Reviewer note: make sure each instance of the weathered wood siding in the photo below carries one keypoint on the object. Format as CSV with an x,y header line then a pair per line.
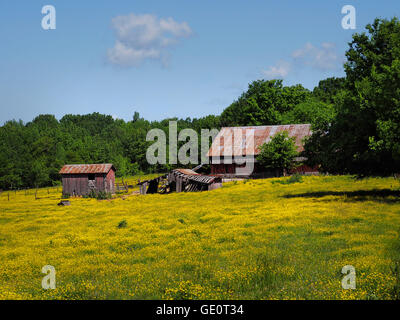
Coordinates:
x,y
110,179
78,184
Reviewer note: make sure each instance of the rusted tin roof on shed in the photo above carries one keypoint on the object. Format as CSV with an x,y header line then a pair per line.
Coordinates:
x,y
187,171
224,144
194,176
86,168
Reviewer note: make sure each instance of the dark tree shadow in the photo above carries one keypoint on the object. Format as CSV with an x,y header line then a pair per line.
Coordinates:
x,y
380,195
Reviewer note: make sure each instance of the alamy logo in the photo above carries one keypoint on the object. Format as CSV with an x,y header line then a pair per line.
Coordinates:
x,y
49,281
349,280
49,20
349,20
229,147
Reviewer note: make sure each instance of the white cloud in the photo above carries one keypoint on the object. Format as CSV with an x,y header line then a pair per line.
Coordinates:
x,y
280,70
142,37
323,58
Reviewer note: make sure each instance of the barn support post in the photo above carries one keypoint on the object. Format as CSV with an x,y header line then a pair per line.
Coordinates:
x,y
178,184
144,188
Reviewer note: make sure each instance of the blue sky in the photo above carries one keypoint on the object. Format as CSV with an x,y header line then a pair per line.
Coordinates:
x,y
166,58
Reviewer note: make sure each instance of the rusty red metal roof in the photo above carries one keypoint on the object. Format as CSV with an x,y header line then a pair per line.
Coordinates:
x,y
86,168
187,172
224,143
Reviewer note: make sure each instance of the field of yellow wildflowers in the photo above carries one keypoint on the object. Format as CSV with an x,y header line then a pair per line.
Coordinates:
x,y
255,239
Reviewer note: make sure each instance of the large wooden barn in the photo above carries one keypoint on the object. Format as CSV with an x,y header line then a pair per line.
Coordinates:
x,y
81,179
224,148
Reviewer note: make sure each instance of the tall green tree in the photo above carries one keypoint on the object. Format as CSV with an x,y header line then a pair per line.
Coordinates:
x,y
313,111
327,89
364,138
264,103
279,153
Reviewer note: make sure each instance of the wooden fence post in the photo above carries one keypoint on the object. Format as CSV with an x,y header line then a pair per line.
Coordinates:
x,y
125,185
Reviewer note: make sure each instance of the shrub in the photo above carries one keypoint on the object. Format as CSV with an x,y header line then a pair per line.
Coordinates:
x,y
92,194
292,179
122,224
295,178
65,196
102,195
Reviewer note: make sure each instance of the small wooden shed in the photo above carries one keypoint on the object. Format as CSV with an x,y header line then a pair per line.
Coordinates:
x,y
81,179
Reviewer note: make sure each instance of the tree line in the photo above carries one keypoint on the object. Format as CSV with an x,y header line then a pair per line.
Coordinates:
x,y
355,122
